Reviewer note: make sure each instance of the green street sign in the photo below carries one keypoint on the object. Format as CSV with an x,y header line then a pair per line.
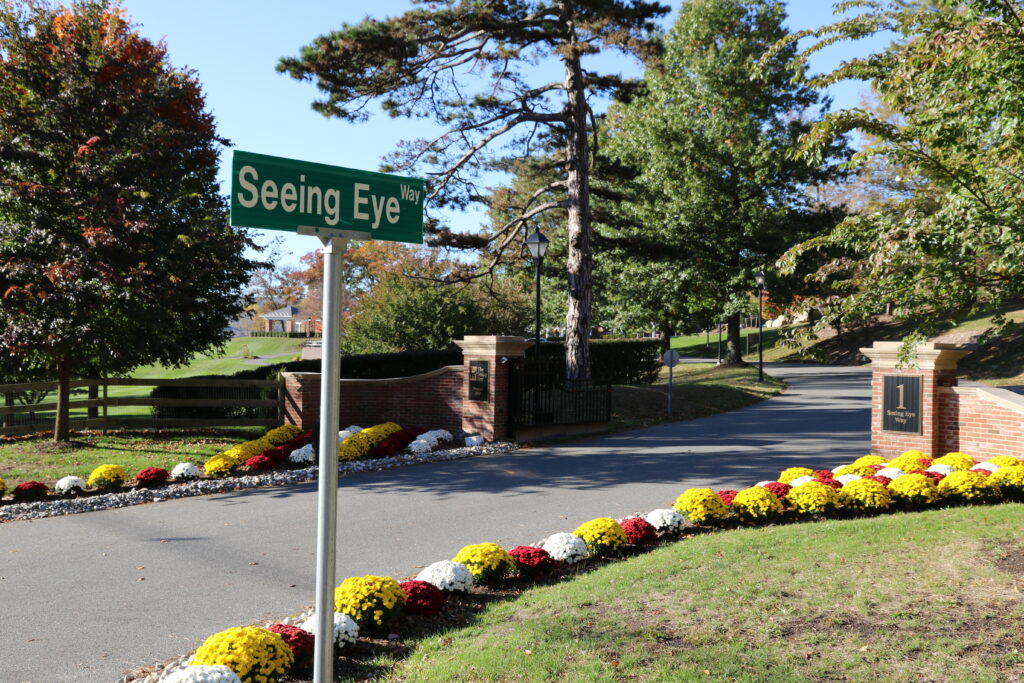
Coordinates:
x,y
274,193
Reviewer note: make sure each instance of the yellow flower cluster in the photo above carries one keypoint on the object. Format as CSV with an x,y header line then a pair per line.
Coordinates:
x,y
222,464
1005,461
487,562
371,601
282,434
756,504
1011,481
107,477
219,466
603,536
256,655
791,473
359,444
854,468
866,495
701,505
910,460
914,489
869,459
3,487
958,461
969,487
813,498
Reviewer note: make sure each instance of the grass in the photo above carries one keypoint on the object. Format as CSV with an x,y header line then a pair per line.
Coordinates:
x,y
41,460
931,596
698,390
241,353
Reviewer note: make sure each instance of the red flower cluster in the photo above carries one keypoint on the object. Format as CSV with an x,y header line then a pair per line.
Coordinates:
x,y
639,531
881,480
531,561
260,463
152,476
29,491
823,474
829,482
396,443
301,642
926,462
937,476
982,471
278,454
778,488
727,495
875,467
424,599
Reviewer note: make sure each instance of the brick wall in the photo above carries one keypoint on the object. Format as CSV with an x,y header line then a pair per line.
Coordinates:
x,y
982,421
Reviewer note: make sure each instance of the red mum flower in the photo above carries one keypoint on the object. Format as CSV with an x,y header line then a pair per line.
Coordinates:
x,y
29,491
396,443
639,531
778,488
278,453
531,561
881,480
299,441
727,495
260,463
424,599
937,476
982,471
875,467
301,642
830,482
823,474
926,462
152,476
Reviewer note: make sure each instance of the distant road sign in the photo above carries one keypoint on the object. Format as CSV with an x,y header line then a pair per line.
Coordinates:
x,y
274,193
671,358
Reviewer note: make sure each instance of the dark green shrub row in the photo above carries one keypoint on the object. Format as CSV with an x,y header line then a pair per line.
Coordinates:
x,y
616,361
290,335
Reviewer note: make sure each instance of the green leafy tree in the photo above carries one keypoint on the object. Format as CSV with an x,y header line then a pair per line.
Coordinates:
x,y
956,244
471,66
712,137
114,245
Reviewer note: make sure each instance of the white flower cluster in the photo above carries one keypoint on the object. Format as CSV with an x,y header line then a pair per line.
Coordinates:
x,y
845,479
474,440
890,472
764,483
801,480
346,630
348,431
184,471
665,520
302,456
201,673
944,470
68,484
565,547
427,441
985,466
448,576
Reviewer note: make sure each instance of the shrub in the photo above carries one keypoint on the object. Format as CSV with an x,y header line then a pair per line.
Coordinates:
x,y
665,520
616,361
531,562
639,531
487,562
152,476
910,460
914,490
261,463
865,495
300,641
958,461
29,491
1011,482
69,486
756,504
1005,461
107,477
813,498
969,487
566,548
255,654
422,598
448,576
603,536
701,506
791,473
184,471
372,601
282,434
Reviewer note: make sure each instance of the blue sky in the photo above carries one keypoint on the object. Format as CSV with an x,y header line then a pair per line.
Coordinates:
x,y
234,47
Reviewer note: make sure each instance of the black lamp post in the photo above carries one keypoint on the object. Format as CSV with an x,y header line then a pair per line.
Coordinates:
x,y
538,246
759,279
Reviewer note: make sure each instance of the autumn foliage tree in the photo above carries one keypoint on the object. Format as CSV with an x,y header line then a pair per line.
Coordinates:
x,y
114,245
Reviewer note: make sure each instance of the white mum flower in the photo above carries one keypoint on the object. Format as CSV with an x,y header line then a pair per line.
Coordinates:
x,y
447,576
184,471
566,547
801,480
420,446
346,630
944,470
201,673
302,456
764,483
474,440
890,472
68,484
348,431
665,520
985,466
835,470
845,479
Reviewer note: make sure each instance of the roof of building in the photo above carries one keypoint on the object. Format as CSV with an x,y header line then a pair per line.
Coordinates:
x,y
286,313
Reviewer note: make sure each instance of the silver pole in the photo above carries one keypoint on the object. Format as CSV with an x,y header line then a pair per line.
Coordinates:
x,y
327,502
670,390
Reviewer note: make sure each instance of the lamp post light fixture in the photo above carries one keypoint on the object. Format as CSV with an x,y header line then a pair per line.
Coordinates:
x,y
759,279
537,244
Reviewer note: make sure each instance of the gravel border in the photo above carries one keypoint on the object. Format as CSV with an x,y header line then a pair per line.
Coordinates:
x,y
22,511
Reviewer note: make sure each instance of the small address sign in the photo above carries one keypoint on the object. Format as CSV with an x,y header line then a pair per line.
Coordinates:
x,y
901,403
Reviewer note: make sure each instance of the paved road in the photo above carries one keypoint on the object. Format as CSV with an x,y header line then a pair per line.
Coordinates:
x,y
83,598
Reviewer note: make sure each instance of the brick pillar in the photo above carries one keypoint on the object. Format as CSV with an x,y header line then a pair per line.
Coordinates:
x,y
913,422
488,415
301,398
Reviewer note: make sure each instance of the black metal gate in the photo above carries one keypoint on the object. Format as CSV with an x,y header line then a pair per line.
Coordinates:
x,y
540,396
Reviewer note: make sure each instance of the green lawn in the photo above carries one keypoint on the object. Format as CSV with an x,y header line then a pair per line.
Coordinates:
x,y
931,596
706,346
241,353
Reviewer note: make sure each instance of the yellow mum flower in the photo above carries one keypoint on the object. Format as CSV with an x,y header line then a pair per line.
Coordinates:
x,y
701,505
866,495
813,498
869,460
791,473
603,536
107,477
913,489
756,504
256,655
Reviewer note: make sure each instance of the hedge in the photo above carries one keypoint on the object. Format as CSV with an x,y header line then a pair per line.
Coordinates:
x,y
616,361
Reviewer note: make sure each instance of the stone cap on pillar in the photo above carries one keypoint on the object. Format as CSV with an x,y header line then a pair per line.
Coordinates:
x,y
487,345
929,355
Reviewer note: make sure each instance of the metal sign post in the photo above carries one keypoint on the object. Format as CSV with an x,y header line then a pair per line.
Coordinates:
x,y
671,359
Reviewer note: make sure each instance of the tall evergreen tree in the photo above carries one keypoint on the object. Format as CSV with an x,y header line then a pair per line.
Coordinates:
x,y
713,137
472,67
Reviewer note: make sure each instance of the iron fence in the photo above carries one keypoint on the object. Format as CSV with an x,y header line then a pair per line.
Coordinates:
x,y
542,396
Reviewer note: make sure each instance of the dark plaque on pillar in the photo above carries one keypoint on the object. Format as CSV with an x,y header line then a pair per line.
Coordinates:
x,y
479,371
901,403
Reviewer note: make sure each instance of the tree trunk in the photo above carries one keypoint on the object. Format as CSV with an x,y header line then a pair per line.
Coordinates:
x,y
580,257
665,328
732,333
61,427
